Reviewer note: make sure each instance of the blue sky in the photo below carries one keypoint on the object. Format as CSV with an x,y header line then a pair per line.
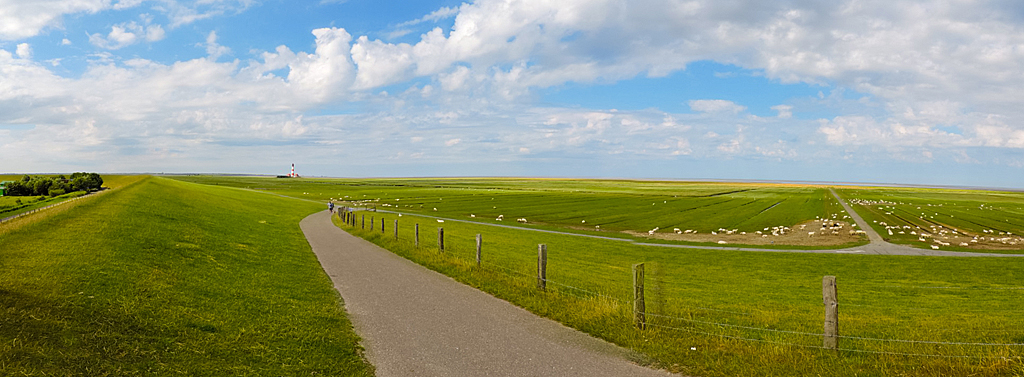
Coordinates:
x,y
918,92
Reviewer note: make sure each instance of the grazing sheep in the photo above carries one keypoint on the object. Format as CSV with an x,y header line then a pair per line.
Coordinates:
x,y
521,220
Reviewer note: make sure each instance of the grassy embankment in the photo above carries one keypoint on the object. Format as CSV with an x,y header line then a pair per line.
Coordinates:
x,y
599,207
707,299
160,277
969,212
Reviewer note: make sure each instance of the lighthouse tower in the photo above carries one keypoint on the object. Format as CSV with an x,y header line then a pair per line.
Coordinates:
x,y
293,175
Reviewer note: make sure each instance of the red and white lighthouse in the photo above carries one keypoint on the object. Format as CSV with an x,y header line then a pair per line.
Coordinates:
x,y
293,175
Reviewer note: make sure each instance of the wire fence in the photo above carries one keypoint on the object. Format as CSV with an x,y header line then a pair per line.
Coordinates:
x,y
26,213
702,319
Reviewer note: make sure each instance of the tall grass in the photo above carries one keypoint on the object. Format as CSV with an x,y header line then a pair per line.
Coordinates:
x,y
162,277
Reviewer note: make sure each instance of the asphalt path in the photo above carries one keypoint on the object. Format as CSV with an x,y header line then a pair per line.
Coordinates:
x,y
416,322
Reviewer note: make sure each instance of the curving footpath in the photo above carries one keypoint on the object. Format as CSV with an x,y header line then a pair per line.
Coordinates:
x,y
416,322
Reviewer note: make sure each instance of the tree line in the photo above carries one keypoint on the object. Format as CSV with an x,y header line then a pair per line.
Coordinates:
x,y
54,186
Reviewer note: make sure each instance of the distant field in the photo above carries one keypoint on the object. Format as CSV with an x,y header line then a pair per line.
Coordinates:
x,y
610,206
160,277
967,220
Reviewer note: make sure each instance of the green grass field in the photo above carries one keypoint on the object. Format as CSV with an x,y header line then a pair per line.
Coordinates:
x,y
161,277
571,205
741,309
952,216
745,313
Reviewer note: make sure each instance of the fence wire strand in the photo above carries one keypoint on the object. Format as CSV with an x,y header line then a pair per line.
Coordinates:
x,y
891,353
733,326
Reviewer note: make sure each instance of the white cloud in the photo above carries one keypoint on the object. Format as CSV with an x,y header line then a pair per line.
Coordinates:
x,y
214,50
715,106
437,15
785,111
65,42
24,51
127,34
452,142
187,12
154,33
23,19
380,63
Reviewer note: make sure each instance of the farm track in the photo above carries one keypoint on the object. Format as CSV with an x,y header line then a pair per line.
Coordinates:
x,y
415,321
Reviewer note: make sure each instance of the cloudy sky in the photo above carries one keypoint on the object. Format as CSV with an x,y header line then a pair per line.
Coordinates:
x,y
922,92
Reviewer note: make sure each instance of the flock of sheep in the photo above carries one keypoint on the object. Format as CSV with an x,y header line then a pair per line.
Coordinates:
x,y
940,235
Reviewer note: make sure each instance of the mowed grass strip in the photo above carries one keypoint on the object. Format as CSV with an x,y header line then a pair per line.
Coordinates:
x,y
170,278
726,305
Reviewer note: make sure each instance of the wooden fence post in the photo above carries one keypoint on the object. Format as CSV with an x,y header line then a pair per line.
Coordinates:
x,y
371,223
363,224
542,266
382,225
831,300
396,229
479,243
440,239
639,309
417,235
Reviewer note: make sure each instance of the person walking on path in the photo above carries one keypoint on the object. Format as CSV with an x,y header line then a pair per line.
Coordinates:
x,y
330,206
